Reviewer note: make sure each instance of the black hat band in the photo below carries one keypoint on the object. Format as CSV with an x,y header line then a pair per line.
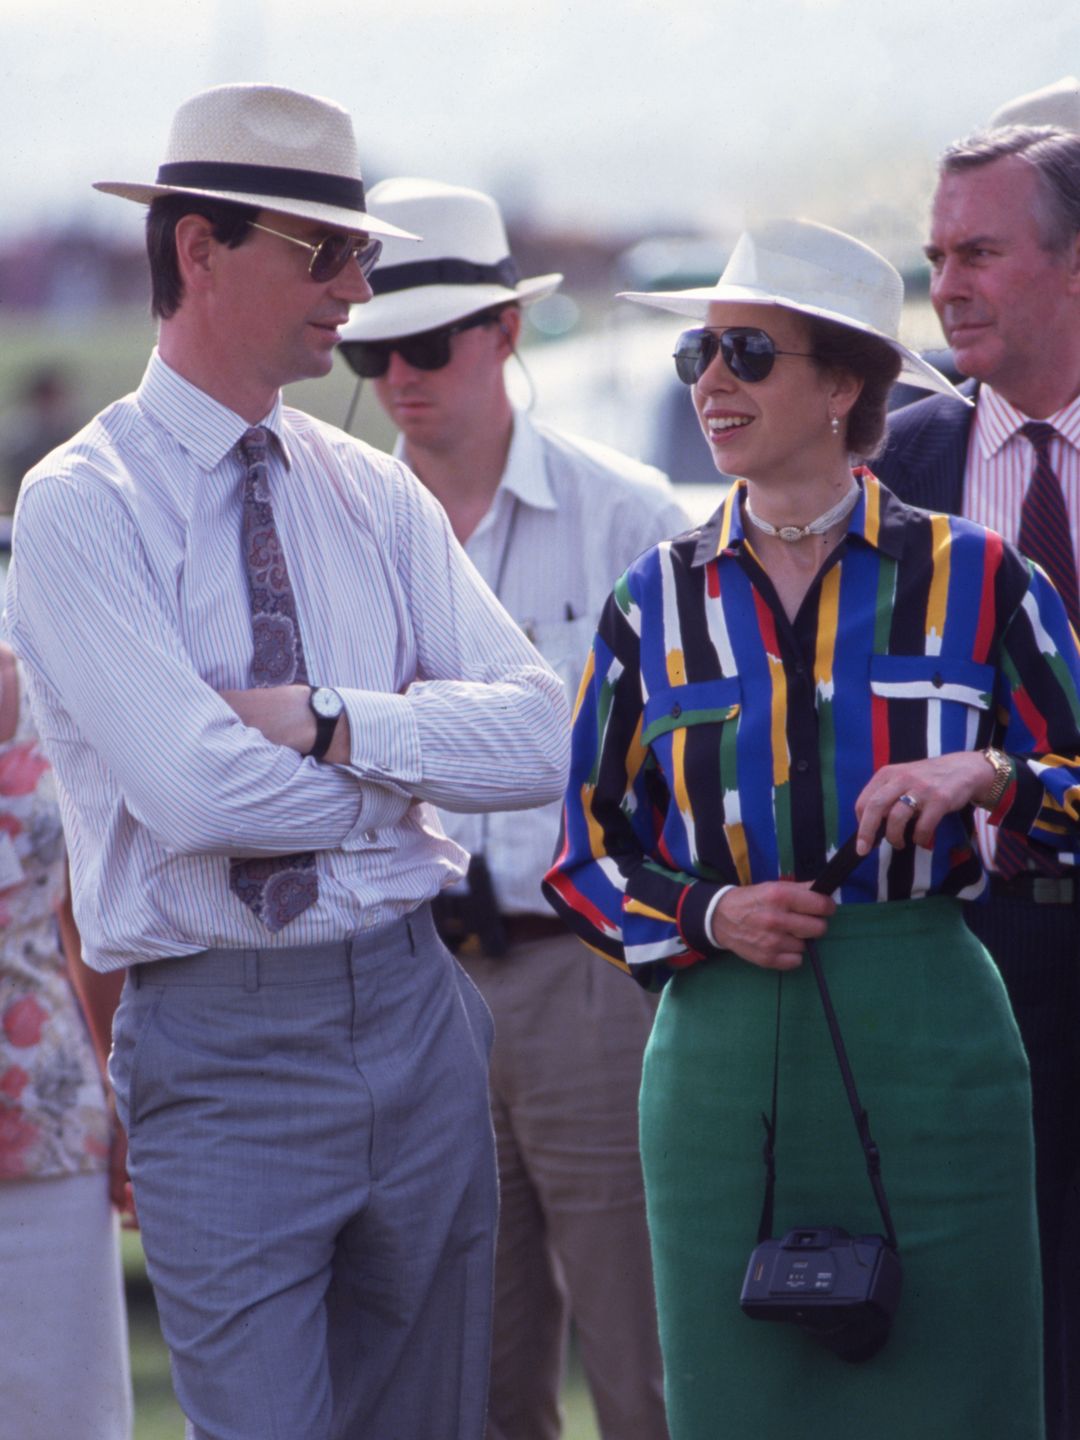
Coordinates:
x,y
278,180
389,278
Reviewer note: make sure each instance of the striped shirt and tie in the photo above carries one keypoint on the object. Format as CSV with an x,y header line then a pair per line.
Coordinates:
x,y
128,601
997,477
718,743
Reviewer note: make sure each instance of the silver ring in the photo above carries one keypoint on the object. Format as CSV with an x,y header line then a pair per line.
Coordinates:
x,y
909,801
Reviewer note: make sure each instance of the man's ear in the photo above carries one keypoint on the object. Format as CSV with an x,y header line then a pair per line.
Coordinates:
x,y
195,251
1073,264
510,326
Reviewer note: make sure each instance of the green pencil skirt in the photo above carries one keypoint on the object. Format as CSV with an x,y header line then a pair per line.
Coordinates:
x,y
941,1070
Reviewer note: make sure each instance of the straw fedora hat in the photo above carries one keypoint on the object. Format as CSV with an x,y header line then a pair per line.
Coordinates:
x,y
462,264
811,268
266,146
1057,104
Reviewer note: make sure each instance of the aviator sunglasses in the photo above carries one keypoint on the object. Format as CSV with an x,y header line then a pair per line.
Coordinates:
x,y
370,359
333,252
747,352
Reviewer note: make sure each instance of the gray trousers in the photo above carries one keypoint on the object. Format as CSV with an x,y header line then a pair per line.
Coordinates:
x,y
570,1030
313,1165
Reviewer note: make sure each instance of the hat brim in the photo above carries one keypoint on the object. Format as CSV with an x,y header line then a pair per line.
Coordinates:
x,y
426,307
695,305
346,219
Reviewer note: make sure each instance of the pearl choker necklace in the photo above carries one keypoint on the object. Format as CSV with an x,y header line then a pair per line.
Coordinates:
x,y
794,533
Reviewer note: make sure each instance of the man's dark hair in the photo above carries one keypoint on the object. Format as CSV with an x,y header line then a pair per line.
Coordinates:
x,y
230,222
1053,154
837,347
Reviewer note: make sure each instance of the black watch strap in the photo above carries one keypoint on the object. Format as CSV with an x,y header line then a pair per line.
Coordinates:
x,y
325,725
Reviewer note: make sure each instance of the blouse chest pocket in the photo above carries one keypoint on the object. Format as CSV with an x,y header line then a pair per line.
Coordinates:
x,y
962,689
691,724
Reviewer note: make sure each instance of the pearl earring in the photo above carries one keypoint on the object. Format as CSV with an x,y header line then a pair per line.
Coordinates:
x,y
834,424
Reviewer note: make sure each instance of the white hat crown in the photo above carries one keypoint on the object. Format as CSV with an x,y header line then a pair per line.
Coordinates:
x,y
462,264
266,146
1057,104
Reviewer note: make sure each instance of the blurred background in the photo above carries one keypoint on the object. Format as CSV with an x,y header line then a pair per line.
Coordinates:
x,y
628,143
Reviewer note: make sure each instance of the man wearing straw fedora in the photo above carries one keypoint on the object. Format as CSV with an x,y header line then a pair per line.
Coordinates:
x,y
550,523
1004,252
259,659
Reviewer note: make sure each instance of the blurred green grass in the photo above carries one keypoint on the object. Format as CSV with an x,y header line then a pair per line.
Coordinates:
x,y
157,1415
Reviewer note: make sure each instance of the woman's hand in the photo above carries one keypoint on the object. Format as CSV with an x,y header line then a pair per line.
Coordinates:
x,y
911,800
768,923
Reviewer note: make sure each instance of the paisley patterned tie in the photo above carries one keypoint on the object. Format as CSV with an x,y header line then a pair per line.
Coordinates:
x,y
280,887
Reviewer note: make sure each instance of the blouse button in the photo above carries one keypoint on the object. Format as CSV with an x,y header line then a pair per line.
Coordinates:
x,y
937,681
676,711
802,766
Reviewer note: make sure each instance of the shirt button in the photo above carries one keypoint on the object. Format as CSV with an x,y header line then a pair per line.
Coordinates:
x,y
676,711
800,669
802,766
371,836
937,681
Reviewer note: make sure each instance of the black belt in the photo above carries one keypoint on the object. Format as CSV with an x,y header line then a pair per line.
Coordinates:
x,y
1037,889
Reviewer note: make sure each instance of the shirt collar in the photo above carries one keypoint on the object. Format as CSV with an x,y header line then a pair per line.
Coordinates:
x,y
525,473
878,519
996,422
205,428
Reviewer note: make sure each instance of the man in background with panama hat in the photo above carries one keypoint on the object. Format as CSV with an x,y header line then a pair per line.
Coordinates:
x,y
258,658
550,522
1004,252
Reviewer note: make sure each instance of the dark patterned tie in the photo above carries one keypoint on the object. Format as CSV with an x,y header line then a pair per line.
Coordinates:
x,y
1045,537
281,887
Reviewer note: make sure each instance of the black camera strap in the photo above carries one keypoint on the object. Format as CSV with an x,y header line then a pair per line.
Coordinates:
x,y
834,874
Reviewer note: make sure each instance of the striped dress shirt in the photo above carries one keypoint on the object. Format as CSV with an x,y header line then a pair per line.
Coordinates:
x,y
1000,464
718,743
128,601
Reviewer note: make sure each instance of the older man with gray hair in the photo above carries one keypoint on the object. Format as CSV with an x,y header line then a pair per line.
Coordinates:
x,y
1004,252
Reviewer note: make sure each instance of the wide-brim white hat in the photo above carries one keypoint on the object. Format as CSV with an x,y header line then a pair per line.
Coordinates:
x,y
462,264
1057,104
815,270
266,146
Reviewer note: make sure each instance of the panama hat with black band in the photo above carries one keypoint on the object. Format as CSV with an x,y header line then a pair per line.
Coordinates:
x,y
462,265
265,146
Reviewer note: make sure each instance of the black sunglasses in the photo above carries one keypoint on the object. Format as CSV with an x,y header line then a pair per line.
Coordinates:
x,y
430,350
747,352
333,252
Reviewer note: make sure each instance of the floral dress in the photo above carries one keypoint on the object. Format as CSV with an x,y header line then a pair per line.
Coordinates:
x,y
53,1117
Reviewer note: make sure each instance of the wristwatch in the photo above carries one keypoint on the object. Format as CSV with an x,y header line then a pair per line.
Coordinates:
x,y
1003,774
326,706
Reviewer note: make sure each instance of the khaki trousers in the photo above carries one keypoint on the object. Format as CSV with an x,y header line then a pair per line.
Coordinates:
x,y
570,1030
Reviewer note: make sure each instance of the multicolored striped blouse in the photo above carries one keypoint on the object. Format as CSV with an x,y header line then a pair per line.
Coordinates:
x,y
718,743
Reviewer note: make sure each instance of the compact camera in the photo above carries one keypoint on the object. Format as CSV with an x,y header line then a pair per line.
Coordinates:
x,y
840,1288
461,915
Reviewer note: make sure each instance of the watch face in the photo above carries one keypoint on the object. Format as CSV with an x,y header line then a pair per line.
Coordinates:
x,y
327,703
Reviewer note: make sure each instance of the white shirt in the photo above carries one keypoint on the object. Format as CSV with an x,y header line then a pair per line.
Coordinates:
x,y
128,601
999,467
567,519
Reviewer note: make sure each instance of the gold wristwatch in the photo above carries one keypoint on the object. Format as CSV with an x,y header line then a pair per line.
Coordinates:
x,y
1003,774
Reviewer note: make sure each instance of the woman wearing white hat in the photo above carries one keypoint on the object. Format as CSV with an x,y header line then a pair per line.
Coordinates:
x,y
820,660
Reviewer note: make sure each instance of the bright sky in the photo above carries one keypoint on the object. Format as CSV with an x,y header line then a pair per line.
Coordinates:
x,y
643,114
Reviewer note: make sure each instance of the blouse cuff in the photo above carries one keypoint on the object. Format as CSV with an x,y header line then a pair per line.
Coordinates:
x,y
696,909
